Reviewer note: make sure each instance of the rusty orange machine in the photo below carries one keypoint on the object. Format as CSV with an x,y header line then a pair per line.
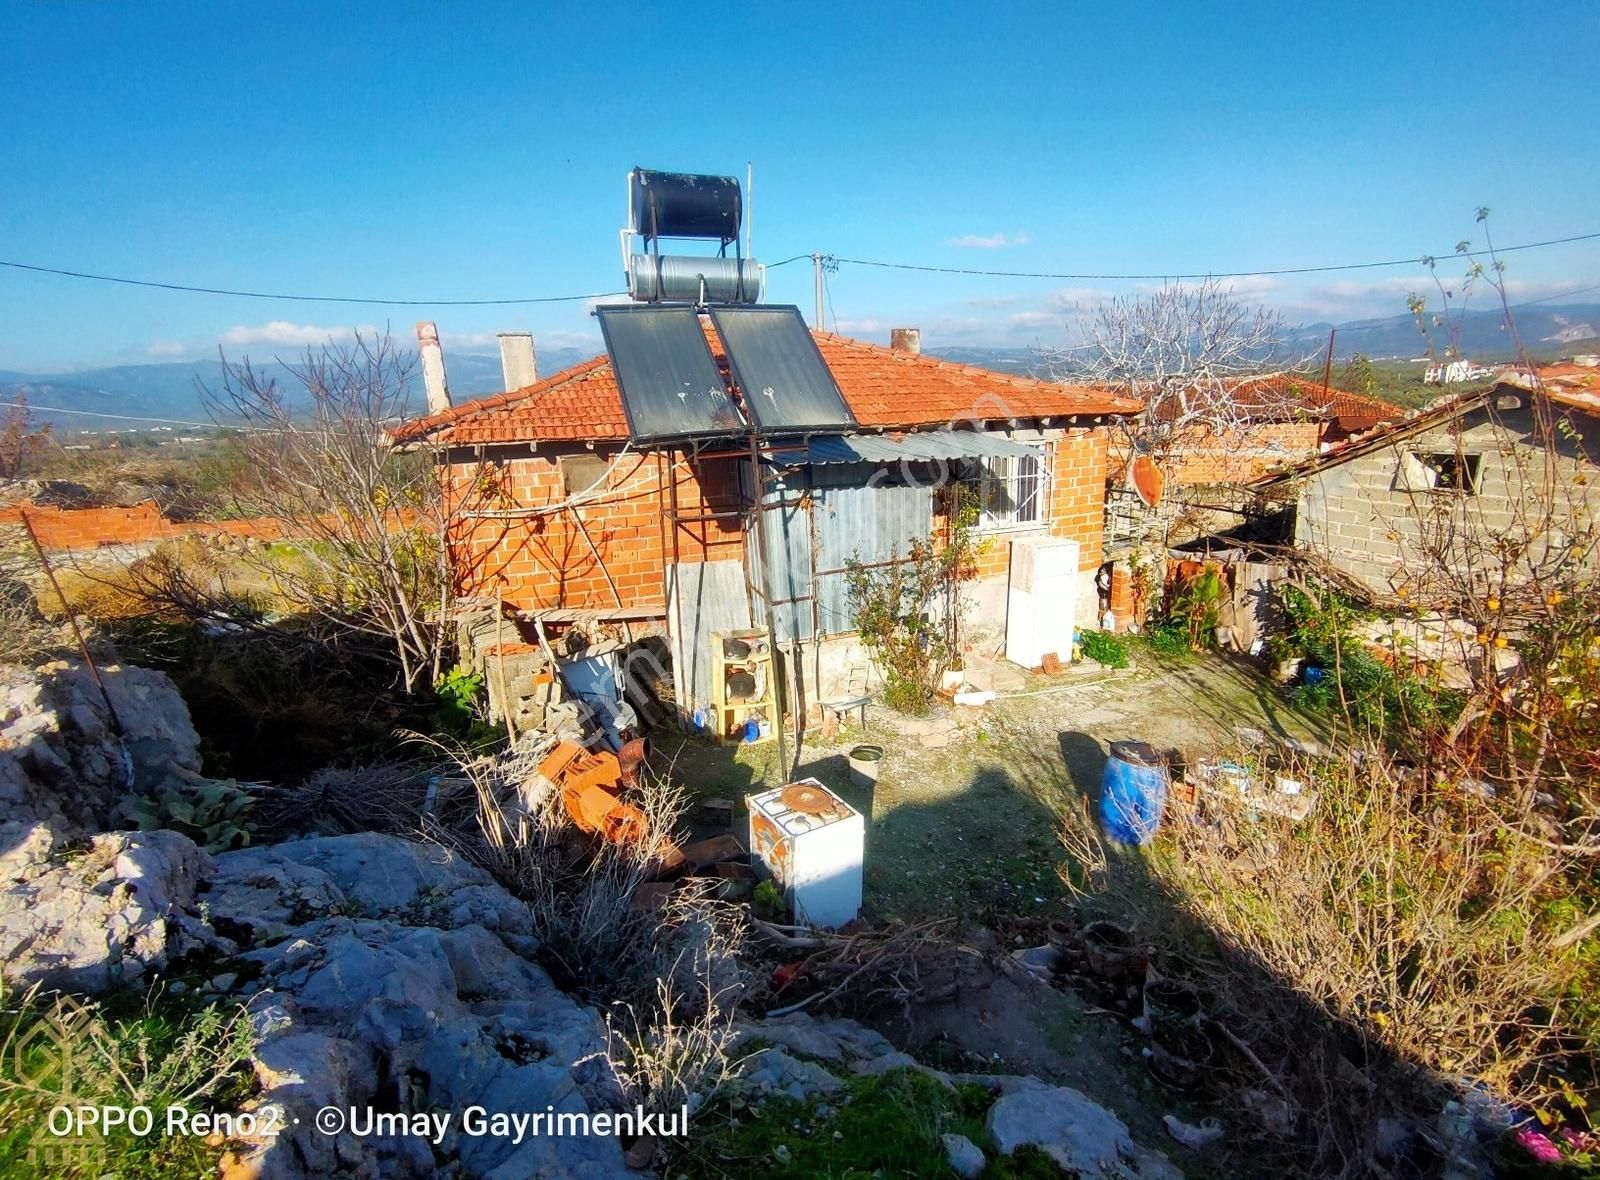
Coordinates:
x,y
589,782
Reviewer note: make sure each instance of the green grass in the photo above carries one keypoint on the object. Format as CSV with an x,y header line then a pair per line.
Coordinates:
x,y
874,1127
129,1050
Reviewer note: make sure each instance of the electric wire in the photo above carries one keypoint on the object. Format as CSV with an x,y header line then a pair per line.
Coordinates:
x,y
199,289
1232,274
202,290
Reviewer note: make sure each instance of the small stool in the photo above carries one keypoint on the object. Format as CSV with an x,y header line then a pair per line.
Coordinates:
x,y
839,708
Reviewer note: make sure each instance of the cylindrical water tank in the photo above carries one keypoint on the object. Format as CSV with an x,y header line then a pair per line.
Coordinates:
x,y
686,205
674,278
1133,792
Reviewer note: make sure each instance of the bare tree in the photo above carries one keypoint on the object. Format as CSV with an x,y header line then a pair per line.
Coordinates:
x,y
367,523
1186,352
20,439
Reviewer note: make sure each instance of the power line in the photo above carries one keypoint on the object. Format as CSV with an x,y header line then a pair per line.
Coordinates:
x,y
1232,274
197,290
99,414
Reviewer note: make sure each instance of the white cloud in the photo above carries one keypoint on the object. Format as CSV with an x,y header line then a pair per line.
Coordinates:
x,y
1253,286
166,349
284,334
987,241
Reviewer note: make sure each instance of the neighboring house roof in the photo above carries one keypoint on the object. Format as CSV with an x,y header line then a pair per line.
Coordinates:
x,y
883,387
1293,396
1571,385
1445,409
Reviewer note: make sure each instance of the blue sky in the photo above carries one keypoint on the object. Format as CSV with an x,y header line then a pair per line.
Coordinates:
x,y
438,151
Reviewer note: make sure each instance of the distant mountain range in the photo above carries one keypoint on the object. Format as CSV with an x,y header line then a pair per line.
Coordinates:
x,y
118,397
126,396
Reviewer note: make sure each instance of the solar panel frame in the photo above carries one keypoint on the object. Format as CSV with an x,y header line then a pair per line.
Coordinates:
x,y
670,385
787,385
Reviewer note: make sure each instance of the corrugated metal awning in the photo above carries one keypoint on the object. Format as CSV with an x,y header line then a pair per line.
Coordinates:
x,y
921,446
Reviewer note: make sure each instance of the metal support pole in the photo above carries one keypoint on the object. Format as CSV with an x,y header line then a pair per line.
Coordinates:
x,y
816,277
766,595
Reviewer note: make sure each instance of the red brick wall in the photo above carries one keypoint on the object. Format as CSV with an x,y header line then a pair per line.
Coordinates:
x,y
1078,492
539,562
1239,458
88,528
543,562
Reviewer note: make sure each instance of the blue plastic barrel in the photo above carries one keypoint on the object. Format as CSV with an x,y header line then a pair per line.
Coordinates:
x,y
1133,791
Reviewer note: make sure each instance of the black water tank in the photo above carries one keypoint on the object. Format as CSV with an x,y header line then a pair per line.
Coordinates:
x,y
685,205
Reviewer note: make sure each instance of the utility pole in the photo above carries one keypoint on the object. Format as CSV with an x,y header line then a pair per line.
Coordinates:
x,y
1327,368
816,271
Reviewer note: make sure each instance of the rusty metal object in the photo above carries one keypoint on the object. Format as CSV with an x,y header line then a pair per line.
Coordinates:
x,y
770,845
630,758
807,800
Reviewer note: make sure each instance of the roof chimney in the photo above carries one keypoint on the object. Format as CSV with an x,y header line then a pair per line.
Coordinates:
x,y
433,378
906,340
517,362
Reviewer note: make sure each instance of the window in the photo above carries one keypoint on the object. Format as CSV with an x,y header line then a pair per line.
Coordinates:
x,y
1442,471
1011,491
581,473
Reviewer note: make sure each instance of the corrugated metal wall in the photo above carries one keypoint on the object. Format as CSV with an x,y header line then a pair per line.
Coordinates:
x,y
850,519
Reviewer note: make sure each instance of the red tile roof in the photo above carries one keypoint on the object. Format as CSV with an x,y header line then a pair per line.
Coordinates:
x,y
1572,385
882,387
1286,396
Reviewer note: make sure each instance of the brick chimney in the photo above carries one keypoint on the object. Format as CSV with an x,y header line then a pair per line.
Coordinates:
x,y
433,378
517,362
906,340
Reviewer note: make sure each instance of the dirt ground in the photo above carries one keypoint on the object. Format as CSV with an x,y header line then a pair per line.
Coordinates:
x,y
963,819
962,824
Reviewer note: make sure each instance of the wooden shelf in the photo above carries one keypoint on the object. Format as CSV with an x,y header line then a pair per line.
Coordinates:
x,y
729,715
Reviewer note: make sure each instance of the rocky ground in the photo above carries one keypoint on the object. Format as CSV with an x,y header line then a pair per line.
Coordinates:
x,y
375,970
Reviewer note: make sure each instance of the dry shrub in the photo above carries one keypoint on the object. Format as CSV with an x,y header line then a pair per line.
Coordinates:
x,y
379,797
1403,935
1414,914
673,1051
581,893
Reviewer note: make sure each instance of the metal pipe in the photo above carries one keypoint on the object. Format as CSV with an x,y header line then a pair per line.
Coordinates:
x,y
766,586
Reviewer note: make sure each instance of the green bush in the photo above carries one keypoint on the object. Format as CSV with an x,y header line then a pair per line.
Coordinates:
x,y
1168,638
157,1050
213,814
1104,648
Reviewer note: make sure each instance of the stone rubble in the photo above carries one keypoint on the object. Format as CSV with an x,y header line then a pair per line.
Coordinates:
x,y
800,1057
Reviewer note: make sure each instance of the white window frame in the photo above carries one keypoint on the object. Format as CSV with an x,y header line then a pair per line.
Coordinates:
x,y
1006,480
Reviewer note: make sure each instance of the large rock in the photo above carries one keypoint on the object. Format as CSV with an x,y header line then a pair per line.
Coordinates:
x,y
268,891
103,916
1083,1137
392,968
62,759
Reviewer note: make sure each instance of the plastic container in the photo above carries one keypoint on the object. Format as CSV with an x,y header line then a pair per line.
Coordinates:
x,y
1133,792
752,730
864,764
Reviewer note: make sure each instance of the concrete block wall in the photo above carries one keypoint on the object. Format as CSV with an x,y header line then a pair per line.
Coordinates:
x,y
1355,514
